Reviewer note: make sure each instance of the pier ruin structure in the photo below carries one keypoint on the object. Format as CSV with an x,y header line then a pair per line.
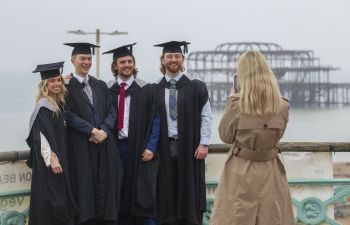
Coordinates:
x,y
302,78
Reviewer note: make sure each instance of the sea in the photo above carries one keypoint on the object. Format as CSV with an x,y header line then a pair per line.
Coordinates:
x,y
17,100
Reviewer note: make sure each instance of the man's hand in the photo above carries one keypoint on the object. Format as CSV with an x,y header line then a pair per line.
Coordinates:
x,y
92,136
147,155
93,139
98,136
67,77
201,152
102,135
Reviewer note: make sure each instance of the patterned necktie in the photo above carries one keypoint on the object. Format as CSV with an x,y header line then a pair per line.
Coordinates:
x,y
172,100
121,106
87,90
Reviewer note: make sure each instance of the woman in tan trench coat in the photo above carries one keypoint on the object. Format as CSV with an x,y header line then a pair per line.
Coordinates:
x,y
253,188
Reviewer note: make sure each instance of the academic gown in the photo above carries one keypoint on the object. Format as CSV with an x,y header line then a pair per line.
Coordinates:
x,y
51,199
96,168
139,183
191,202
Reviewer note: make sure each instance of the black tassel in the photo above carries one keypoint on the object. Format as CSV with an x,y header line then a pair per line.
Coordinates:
x,y
185,48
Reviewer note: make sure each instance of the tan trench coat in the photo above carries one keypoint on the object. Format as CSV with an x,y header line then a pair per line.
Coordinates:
x,y
252,192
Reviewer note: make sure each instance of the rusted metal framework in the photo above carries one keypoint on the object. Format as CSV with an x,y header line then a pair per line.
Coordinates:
x,y
300,74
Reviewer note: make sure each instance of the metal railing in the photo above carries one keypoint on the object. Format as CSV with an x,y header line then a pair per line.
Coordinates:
x,y
310,210
12,217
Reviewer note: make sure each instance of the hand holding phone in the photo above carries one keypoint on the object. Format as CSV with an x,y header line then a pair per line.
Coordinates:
x,y
236,87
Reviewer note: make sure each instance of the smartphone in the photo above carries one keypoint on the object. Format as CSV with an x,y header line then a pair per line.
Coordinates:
x,y
236,83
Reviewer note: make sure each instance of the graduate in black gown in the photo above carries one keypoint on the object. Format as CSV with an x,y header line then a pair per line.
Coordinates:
x,y
51,199
95,163
185,118
137,133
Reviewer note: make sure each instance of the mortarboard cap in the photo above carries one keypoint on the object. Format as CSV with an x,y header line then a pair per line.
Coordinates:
x,y
174,47
82,48
121,51
50,70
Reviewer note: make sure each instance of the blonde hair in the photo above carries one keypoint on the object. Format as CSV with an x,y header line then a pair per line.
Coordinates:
x,y
260,93
58,100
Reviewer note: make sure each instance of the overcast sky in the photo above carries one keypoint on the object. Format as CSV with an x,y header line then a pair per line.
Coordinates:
x,y
32,32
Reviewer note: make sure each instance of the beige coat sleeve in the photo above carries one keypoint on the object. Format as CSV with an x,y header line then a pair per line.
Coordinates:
x,y
285,111
229,121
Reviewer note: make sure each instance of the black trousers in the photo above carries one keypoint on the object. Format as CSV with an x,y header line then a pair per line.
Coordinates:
x,y
175,183
127,219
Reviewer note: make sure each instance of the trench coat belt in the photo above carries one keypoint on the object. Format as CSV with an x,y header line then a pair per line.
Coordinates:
x,y
253,155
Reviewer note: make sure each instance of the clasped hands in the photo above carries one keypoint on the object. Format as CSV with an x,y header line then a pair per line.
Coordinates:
x,y
97,136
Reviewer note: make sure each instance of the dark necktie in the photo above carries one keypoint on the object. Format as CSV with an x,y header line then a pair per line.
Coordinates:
x,y
121,106
87,90
172,99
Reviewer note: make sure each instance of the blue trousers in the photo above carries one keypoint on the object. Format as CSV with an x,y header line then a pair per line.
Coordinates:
x,y
150,221
123,149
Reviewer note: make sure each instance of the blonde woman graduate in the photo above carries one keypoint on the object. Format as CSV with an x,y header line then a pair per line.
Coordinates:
x,y
51,200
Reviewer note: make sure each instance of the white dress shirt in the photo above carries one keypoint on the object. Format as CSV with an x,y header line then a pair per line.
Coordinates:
x,y
123,133
206,116
80,78
45,149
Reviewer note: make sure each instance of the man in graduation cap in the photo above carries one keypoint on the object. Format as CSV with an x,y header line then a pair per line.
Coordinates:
x,y
95,162
185,117
137,133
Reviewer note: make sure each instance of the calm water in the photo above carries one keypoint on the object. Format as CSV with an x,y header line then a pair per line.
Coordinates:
x,y
325,124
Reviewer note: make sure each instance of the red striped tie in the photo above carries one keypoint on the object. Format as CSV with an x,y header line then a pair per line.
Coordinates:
x,y
121,106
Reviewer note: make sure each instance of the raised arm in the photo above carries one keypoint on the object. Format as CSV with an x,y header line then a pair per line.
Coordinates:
x,y
229,121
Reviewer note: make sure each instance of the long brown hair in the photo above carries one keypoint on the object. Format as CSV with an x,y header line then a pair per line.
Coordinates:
x,y
260,93
115,71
